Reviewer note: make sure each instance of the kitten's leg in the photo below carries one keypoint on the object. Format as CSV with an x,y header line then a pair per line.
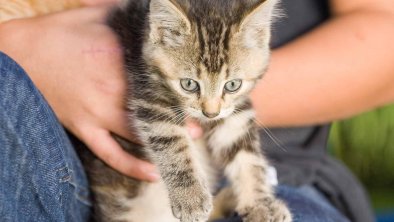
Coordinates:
x,y
170,148
235,143
224,204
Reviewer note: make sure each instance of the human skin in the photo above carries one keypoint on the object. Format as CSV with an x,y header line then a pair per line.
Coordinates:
x,y
74,60
86,90
341,68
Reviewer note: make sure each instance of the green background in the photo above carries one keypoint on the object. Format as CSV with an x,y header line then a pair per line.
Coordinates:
x,y
366,145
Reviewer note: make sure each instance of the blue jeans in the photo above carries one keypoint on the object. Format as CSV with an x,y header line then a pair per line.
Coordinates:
x,y
42,178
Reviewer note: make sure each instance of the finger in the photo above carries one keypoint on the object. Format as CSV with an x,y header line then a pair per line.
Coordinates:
x,y
120,125
107,149
194,129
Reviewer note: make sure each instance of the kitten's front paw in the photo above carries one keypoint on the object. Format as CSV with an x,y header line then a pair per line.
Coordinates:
x,y
270,211
280,212
192,204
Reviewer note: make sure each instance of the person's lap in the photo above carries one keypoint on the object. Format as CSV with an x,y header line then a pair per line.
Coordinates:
x,y
42,178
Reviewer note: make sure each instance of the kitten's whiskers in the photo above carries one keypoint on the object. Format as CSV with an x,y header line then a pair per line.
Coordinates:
x,y
266,130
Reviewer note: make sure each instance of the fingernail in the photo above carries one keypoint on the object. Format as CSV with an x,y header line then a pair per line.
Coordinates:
x,y
151,173
153,176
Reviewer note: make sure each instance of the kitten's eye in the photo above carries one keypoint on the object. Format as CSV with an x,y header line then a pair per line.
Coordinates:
x,y
233,85
189,85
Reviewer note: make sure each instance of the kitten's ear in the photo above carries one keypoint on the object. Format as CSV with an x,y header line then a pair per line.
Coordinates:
x,y
256,24
168,23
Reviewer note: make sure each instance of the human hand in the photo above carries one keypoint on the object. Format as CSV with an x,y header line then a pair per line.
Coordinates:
x,y
74,60
76,63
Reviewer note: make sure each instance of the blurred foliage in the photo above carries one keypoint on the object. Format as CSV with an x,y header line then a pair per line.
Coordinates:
x,y
366,145
382,199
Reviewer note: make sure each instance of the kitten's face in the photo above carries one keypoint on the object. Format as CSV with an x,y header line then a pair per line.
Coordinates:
x,y
211,62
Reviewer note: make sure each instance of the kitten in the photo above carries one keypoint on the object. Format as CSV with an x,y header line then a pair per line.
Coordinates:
x,y
13,9
197,58
184,58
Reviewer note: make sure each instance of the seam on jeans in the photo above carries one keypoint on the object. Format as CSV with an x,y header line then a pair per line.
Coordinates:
x,y
80,192
67,174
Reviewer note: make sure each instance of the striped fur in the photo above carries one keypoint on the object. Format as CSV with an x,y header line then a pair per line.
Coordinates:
x,y
211,42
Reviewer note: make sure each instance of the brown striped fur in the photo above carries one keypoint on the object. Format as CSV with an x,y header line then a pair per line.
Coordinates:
x,y
212,42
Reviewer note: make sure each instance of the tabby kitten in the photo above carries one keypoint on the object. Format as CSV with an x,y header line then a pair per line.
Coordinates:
x,y
13,9
197,58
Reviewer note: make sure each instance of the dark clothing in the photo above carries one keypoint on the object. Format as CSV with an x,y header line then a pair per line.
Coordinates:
x,y
300,154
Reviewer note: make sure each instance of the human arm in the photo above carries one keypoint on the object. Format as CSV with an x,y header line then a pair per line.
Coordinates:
x,y
341,68
74,60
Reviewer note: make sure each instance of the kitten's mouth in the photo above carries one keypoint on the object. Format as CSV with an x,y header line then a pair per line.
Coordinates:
x,y
207,117
210,115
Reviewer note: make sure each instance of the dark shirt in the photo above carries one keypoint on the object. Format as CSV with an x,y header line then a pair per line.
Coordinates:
x,y
300,154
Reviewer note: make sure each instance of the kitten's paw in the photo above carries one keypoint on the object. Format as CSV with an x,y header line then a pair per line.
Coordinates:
x,y
269,211
279,212
192,205
255,214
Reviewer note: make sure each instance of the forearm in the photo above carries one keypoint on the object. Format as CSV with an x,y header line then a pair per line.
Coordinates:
x,y
342,68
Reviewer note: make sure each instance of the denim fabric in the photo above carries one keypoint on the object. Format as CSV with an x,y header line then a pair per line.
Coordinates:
x,y
41,176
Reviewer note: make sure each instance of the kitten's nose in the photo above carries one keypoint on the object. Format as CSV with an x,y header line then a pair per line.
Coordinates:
x,y
210,115
211,107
